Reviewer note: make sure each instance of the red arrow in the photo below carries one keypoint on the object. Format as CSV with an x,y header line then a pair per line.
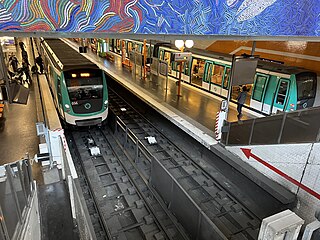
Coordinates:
x,y
247,152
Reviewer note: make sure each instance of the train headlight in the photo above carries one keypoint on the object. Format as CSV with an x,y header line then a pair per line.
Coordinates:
x,y
67,106
106,102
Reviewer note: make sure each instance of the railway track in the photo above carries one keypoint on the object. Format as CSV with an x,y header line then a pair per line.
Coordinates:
x,y
228,217
119,200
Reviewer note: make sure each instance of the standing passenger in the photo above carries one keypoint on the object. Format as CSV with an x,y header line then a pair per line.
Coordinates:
x,y
14,63
39,61
25,68
241,100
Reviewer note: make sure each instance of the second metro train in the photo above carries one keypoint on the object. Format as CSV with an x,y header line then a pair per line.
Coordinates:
x,y
78,86
276,87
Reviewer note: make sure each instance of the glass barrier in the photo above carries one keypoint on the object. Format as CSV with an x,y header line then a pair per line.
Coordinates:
x,y
266,130
302,126
298,124
15,195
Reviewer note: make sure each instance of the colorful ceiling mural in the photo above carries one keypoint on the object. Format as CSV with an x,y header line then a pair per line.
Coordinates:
x,y
195,17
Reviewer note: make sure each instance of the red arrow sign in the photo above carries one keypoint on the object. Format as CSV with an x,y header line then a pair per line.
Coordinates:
x,y
247,152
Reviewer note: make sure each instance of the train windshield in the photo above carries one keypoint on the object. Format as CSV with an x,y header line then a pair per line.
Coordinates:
x,y
306,85
84,85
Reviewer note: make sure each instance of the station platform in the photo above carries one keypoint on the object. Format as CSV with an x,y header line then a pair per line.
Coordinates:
x,y
194,112
17,125
18,136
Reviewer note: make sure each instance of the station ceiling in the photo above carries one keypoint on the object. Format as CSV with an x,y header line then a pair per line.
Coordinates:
x,y
163,19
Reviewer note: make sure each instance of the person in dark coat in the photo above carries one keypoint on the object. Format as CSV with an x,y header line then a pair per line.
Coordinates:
x,y
26,70
22,45
25,56
14,63
39,61
241,100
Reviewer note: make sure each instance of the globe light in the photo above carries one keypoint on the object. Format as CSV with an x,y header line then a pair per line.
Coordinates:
x,y
179,43
189,43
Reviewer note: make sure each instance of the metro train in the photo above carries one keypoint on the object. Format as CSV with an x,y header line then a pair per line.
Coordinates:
x,y
276,87
78,86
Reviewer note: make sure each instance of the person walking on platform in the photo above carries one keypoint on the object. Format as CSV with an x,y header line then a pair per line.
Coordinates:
x,y
39,61
241,100
25,68
22,45
25,56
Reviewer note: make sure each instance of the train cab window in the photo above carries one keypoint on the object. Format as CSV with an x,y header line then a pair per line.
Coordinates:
x,y
306,85
226,78
197,71
282,92
88,86
259,87
217,74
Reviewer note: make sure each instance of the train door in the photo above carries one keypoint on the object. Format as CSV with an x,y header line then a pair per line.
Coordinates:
x,y
161,54
59,97
281,95
258,93
197,71
225,83
207,76
217,74
186,72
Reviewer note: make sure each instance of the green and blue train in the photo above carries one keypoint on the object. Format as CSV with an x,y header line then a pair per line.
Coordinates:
x,y
276,87
78,86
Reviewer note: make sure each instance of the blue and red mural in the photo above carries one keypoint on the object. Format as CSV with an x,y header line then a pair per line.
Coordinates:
x,y
218,17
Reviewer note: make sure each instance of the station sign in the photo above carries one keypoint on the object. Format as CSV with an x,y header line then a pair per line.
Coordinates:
x,y
182,56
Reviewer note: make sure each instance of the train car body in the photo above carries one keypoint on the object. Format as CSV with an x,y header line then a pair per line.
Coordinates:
x,y
276,87
78,86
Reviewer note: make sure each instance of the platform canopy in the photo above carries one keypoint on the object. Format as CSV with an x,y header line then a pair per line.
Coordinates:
x,y
165,19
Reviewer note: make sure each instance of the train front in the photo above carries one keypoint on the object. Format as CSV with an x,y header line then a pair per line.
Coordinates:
x,y
87,101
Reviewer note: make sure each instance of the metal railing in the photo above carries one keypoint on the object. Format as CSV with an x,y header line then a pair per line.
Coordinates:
x,y
16,191
79,208
195,220
302,126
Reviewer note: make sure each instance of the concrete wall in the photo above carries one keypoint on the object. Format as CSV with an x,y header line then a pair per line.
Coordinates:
x,y
222,17
301,162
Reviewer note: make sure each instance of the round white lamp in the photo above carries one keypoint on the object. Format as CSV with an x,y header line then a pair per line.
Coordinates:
x,y
179,43
189,43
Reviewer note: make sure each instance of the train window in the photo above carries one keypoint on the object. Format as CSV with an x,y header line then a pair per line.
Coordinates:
x,y
207,70
187,68
167,56
118,45
259,87
129,47
59,94
217,74
161,54
226,78
197,71
306,85
282,92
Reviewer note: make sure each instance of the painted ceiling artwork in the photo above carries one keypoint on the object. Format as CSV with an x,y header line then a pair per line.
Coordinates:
x,y
195,17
